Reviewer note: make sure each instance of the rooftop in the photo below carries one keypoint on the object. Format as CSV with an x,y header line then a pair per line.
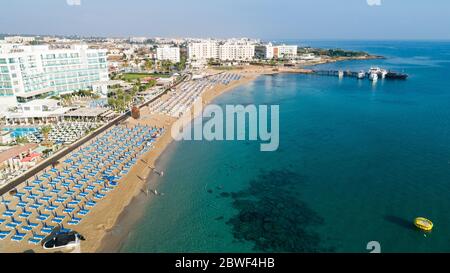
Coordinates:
x,y
88,112
41,102
15,151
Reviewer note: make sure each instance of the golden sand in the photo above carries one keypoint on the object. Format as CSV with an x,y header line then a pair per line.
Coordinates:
x,y
110,209
104,216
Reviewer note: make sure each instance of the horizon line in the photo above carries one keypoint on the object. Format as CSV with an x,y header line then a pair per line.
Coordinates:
x,y
230,37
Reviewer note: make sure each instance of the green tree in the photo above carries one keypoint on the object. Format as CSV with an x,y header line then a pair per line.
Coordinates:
x,y
182,64
21,140
45,132
120,100
166,65
211,61
149,65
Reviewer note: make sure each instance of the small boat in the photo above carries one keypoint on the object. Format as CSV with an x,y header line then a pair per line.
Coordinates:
x,y
381,73
361,75
396,76
373,77
423,224
375,70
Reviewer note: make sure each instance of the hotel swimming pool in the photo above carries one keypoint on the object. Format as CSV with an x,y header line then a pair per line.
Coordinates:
x,y
20,132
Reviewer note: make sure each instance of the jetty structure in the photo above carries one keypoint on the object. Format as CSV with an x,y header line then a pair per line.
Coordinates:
x,y
380,74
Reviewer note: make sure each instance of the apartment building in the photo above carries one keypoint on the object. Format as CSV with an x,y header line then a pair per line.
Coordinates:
x,y
169,53
237,51
281,51
204,50
29,72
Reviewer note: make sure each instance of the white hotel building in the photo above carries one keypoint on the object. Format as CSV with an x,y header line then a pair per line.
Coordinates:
x,y
232,50
201,51
28,72
168,53
237,51
281,51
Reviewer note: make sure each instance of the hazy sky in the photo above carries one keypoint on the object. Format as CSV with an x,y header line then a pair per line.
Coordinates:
x,y
266,19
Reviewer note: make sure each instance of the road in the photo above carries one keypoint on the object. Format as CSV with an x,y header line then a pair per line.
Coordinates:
x,y
62,153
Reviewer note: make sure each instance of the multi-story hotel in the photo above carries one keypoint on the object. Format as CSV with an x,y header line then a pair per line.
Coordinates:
x,y
168,53
231,50
237,51
203,50
281,51
29,72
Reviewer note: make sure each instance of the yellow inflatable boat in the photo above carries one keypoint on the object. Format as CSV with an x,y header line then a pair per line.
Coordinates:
x,y
423,224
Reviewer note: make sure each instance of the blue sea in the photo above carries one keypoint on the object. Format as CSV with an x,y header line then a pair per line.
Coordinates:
x,y
357,162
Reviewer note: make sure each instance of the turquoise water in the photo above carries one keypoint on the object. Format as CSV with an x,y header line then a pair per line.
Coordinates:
x,y
357,162
20,132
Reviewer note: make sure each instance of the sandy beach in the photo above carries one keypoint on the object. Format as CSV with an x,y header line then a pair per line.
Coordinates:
x,y
102,220
104,216
135,183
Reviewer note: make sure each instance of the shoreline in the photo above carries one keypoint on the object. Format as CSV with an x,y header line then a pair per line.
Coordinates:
x,y
113,239
113,219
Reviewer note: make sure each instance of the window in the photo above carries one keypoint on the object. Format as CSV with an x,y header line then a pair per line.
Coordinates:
x,y
2,61
6,92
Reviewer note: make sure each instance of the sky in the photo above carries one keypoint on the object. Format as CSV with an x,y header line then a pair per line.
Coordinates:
x,y
264,19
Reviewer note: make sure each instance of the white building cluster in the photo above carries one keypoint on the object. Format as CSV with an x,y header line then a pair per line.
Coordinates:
x,y
168,53
19,39
237,50
28,72
231,50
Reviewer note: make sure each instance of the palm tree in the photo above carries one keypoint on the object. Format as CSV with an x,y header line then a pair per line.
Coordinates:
x,y
148,65
45,132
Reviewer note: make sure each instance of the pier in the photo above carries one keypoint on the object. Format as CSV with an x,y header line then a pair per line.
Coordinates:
x,y
337,73
380,74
